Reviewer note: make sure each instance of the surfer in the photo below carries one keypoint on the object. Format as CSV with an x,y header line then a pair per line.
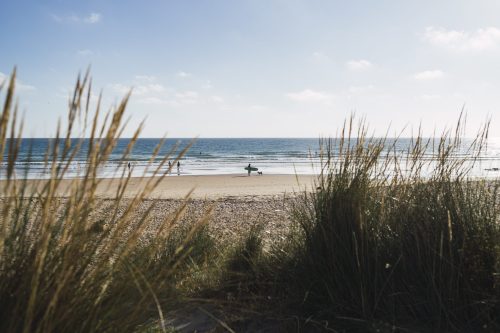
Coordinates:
x,y
249,169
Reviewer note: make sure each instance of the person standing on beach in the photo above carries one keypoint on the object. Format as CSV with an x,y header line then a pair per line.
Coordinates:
x,y
169,166
178,168
249,168
129,167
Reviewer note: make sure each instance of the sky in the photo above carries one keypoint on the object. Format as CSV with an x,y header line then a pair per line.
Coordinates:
x,y
259,68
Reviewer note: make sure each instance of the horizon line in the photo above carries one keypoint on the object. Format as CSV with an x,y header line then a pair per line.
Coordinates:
x,y
265,137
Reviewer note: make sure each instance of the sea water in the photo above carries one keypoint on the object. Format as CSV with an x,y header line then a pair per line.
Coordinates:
x,y
225,156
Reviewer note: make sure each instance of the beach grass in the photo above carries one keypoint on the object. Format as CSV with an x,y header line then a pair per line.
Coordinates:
x,y
70,264
389,246
388,241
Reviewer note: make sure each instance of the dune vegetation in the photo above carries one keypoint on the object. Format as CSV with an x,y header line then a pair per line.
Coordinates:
x,y
66,266
378,248
388,241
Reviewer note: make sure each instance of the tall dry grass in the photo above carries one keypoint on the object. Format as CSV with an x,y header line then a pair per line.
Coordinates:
x,y
389,241
70,264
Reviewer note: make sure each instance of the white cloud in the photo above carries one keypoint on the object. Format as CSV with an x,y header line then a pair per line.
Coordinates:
x,y
154,87
479,40
145,89
183,74
174,100
430,97
25,87
92,18
428,75
120,88
207,85
61,19
310,96
217,99
154,101
320,57
359,65
259,108
354,90
140,89
3,77
19,86
85,53
187,94
186,97
147,78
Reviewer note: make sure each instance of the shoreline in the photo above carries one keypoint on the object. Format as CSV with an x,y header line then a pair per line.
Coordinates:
x,y
203,186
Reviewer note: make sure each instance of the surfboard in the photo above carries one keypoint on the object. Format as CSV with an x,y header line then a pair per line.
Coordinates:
x,y
252,168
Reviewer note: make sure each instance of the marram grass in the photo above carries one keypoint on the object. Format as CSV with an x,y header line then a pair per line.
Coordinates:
x,y
387,242
68,265
378,247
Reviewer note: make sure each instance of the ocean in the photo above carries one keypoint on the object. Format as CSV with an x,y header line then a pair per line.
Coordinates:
x,y
224,156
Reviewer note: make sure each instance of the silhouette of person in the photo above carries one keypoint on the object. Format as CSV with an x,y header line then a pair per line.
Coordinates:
x,y
249,169
178,167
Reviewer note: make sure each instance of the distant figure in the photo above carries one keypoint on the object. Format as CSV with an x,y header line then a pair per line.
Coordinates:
x,y
178,168
249,168
169,166
129,167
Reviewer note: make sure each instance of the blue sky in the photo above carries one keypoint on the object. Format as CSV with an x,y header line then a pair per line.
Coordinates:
x,y
269,68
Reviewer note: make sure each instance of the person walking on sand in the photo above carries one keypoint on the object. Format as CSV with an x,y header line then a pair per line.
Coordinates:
x,y
178,168
249,168
169,166
129,167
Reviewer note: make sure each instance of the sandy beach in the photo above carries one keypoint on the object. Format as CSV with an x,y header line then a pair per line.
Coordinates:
x,y
237,201
204,187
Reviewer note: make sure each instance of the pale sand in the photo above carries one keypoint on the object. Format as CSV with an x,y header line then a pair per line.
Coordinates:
x,y
205,187
237,201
